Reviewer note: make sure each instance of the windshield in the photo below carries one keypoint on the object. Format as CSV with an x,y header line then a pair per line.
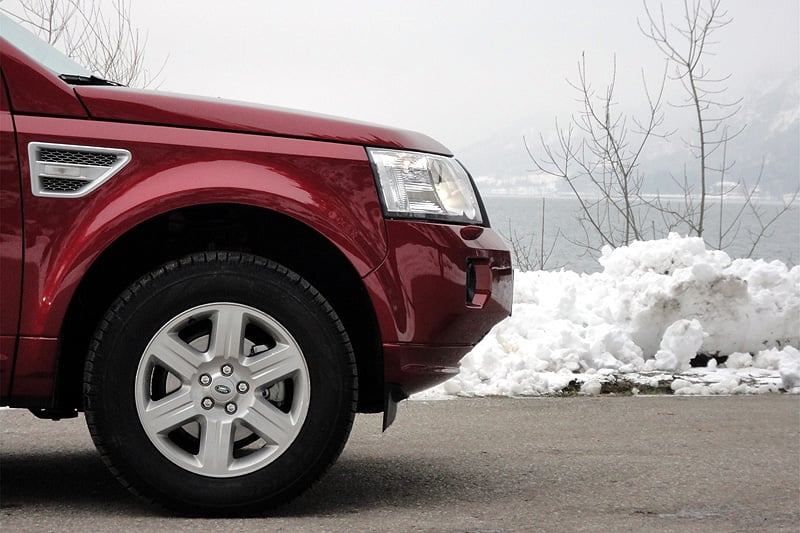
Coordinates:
x,y
38,49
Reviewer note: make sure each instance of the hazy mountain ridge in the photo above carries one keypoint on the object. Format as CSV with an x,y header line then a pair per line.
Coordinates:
x,y
770,114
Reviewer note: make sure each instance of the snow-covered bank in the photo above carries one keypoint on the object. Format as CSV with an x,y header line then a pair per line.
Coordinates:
x,y
652,309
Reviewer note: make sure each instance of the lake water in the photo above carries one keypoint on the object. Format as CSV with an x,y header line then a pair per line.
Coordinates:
x,y
523,216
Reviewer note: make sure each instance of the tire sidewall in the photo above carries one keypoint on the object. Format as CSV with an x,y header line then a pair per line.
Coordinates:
x,y
281,294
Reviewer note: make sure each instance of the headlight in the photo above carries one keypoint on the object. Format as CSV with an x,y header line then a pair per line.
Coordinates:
x,y
426,186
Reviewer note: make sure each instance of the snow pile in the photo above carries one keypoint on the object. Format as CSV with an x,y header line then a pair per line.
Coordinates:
x,y
652,309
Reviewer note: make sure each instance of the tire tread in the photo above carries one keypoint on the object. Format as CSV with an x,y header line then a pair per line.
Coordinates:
x,y
92,392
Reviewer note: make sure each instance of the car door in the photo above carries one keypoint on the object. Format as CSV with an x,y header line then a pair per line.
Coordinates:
x,y
10,242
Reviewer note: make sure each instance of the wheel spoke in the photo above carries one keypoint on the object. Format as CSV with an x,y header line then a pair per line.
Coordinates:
x,y
195,358
179,358
270,423
228,333
275,365
171,412
216,446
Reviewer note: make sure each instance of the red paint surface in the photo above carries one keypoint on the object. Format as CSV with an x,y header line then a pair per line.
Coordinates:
x,y
327,186
34,89
189,151
35,370
420,291
149,107
10,244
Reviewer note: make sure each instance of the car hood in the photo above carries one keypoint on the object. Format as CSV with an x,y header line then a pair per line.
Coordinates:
x,y
169,109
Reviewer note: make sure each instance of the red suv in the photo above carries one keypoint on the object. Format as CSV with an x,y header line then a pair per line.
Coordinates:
x,y
220,286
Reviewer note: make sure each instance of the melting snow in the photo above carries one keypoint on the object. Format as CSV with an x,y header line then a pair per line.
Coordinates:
x,y
653,308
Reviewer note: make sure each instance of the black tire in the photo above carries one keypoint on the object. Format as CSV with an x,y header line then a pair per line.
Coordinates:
x,y
158,357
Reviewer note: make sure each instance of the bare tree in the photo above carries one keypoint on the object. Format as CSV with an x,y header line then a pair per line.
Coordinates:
x,y
102,40
527,253
685,47
599,153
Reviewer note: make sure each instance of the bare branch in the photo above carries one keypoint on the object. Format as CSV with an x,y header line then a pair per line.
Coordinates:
x,y
598,155
105,42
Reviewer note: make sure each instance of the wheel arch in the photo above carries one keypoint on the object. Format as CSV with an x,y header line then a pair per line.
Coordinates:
x,y
229,227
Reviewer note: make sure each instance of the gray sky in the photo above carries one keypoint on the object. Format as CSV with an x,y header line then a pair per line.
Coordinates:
x,y
457,70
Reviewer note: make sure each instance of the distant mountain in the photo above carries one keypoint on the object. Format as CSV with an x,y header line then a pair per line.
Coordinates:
x,y
772,132
770,113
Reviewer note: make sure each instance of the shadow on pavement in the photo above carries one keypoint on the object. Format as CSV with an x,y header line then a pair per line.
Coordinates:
x,y
77,479
80,481
358,483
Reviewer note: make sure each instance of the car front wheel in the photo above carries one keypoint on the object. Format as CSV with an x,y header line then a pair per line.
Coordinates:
x,y
221,382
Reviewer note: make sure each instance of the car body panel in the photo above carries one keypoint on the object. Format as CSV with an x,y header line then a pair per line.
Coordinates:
x,y
34,384
327,186
435,289
150,107
427,318
428,263
10,243
51,96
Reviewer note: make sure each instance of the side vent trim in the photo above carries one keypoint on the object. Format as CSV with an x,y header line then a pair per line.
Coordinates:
x,y
72,171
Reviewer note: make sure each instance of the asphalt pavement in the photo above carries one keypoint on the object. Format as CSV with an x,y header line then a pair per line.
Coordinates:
x,y
546,464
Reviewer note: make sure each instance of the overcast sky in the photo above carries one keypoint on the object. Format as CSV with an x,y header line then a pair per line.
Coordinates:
x,y
457,70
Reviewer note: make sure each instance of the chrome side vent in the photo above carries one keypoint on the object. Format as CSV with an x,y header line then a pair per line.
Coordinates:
x,y
70,171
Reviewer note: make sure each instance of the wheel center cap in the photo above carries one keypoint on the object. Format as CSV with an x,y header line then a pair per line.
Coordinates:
x,y
223,389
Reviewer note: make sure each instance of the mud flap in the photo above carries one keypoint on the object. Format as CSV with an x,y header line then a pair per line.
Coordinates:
x,y
392,395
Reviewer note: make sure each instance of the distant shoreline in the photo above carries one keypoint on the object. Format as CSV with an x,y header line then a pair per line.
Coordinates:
x,y
738,199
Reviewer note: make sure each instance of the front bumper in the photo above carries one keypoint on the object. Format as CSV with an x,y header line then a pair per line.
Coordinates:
x,y
440,290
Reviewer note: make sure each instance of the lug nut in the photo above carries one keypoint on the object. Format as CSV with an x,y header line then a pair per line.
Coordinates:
x,y
230,408
205,380
226,370
242,387
207,403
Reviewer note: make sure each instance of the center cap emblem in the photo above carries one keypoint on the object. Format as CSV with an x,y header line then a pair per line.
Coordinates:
x,y
223,390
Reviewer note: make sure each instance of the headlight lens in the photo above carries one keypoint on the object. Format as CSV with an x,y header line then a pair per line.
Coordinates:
x,y
425,186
